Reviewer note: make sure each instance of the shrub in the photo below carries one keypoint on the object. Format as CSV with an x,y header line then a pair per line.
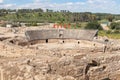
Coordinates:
x,y
115,26
32,24
108,32
93,25
3,25
116,31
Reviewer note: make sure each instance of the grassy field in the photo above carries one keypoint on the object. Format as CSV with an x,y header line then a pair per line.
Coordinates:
x,y
109,35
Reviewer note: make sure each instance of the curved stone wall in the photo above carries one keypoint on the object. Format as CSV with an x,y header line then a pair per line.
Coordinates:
x,y
61,34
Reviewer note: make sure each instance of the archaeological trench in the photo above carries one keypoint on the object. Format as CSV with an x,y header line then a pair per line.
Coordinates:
x,y
35,53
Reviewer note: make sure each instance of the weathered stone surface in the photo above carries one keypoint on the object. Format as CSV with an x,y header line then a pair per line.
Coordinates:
x,y
61,34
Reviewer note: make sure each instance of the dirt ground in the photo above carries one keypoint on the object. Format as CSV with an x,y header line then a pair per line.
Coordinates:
x,y
68,60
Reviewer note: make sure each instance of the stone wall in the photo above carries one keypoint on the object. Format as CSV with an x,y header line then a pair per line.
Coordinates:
x,y
60,34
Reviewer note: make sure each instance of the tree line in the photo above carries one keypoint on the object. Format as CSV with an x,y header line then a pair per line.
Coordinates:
x,y
62,16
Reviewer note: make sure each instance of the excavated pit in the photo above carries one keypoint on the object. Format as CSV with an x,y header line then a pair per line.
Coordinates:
x,y
57,59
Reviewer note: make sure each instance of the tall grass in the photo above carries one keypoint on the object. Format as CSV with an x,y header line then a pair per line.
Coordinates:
x,y
109,35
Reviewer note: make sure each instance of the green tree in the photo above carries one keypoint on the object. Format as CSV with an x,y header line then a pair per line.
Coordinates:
x,y
110,18
93,25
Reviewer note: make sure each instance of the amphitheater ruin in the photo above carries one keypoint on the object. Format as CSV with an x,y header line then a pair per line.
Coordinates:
x,y
44,53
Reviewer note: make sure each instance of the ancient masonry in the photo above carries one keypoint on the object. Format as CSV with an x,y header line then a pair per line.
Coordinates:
x,y
61,34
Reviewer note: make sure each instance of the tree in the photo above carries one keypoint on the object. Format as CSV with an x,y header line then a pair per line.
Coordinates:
x,y
110,18
93,25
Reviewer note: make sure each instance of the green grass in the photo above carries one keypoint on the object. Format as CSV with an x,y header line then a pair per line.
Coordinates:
x,y
103,20
83,24
110,35
80,25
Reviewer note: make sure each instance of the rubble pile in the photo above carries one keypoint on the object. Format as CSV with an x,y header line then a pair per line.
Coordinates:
x,y
77,67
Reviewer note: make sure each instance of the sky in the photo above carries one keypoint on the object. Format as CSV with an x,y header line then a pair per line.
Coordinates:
x,y
95,6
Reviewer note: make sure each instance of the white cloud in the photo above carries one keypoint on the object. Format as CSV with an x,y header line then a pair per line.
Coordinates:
x,y
8,6
41,1
36,0
104,6
1,1
107,6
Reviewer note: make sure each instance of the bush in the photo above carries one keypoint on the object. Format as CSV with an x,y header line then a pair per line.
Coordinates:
x,y
78,25
93,25
113,32
32,24
109,32
3,25
115,26
117,32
